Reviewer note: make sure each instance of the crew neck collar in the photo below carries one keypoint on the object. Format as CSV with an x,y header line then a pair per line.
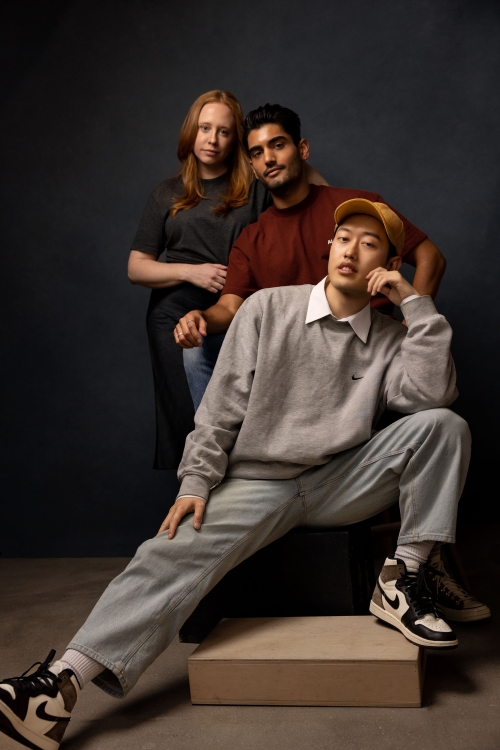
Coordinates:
x,y
215,180
282,213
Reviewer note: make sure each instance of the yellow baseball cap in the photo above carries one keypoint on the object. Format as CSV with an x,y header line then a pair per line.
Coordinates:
x,y
392,223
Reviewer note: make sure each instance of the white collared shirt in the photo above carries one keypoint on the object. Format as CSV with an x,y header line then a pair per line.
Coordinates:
x,y
360,322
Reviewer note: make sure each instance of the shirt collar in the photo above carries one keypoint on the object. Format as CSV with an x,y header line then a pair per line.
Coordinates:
x,y
318,308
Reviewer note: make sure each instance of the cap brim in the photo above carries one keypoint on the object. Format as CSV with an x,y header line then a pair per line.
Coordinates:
x,y
364,206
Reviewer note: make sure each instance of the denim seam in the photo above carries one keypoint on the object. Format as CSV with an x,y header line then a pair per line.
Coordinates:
x,y
411,465
200,578
363,465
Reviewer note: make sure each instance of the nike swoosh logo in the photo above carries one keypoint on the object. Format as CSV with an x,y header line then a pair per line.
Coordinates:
x,y
360,378
393,602
42,714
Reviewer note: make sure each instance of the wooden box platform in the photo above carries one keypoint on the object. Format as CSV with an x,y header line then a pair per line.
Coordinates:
x,y
307,661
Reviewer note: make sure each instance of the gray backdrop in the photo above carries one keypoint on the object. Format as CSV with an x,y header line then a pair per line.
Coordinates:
x,y
396,97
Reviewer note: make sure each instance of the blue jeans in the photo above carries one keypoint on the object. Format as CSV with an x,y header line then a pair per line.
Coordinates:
x,y
199,364
421,459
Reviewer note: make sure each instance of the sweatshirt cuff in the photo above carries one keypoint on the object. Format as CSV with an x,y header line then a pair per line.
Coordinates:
x,y
409,299
194,485
419,308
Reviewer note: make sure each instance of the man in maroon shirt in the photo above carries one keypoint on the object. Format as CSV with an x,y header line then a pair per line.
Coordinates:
x,y
290,245
290,242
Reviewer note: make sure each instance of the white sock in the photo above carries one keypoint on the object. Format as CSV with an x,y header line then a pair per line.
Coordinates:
x,y
414,555
82,665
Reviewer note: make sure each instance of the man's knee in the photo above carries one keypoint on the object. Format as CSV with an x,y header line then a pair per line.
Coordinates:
x,y
447,421
155,550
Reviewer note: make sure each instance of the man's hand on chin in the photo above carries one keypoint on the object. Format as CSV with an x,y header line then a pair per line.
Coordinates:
x,y
179,509
390,283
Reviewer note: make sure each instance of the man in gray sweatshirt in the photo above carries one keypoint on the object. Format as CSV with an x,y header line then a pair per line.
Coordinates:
x,y
285,437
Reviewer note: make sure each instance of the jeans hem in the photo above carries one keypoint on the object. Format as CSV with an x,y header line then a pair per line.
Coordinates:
x,y
100,681
430,537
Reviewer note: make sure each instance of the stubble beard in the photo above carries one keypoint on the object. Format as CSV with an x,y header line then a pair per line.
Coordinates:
x,y
286,179
343,286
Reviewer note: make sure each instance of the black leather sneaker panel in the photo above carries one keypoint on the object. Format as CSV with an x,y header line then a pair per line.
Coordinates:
x,y
427,633
19,705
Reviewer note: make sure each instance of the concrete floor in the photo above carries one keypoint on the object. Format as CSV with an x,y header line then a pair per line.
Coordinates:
x,y
44,602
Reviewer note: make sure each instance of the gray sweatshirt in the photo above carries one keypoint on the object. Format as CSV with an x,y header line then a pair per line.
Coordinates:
x,y
286,395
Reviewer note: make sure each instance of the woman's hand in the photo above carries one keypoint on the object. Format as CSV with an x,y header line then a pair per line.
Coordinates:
x,y
390,283
190,329
181,508
211,276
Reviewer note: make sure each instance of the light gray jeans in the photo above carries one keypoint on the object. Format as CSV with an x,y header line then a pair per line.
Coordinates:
x,y
421,460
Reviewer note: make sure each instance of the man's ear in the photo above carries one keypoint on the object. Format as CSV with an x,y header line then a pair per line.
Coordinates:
x,y
303,149
253,170
394,263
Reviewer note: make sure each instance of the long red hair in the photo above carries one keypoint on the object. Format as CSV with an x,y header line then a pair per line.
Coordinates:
x,y
240,174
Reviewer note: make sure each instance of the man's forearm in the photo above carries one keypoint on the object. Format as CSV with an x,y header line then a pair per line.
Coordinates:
x,y
430,266
219,317
197,323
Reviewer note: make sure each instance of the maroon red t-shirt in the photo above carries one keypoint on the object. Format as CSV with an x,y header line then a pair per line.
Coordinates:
x,y
291,246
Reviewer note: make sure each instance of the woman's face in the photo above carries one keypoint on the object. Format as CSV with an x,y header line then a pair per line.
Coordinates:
x,y
215,139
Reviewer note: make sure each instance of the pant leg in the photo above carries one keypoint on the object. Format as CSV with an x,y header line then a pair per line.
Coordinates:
x,y
199,364
421,460
173,402
145,606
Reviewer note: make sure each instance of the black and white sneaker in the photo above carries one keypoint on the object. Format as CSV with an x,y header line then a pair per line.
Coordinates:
x,y
35,709
451,600
402,599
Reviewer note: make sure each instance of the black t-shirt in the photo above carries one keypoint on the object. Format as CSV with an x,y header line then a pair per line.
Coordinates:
x,y
196,235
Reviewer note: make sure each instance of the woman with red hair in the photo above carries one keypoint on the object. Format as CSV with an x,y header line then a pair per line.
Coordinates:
x,y
192,221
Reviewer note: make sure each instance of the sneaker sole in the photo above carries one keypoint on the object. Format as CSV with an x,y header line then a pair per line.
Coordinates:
x,y
465,615
415,639
13,727
7,743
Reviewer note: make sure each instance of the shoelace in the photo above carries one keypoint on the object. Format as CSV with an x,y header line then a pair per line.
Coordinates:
x,y
419,593
449,583
43,676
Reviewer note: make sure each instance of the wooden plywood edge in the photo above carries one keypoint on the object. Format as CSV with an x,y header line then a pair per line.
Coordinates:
x,y
306,662
359,704
297,684
422,663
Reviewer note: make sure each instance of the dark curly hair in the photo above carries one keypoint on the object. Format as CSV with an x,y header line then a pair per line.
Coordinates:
x,y
272,113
